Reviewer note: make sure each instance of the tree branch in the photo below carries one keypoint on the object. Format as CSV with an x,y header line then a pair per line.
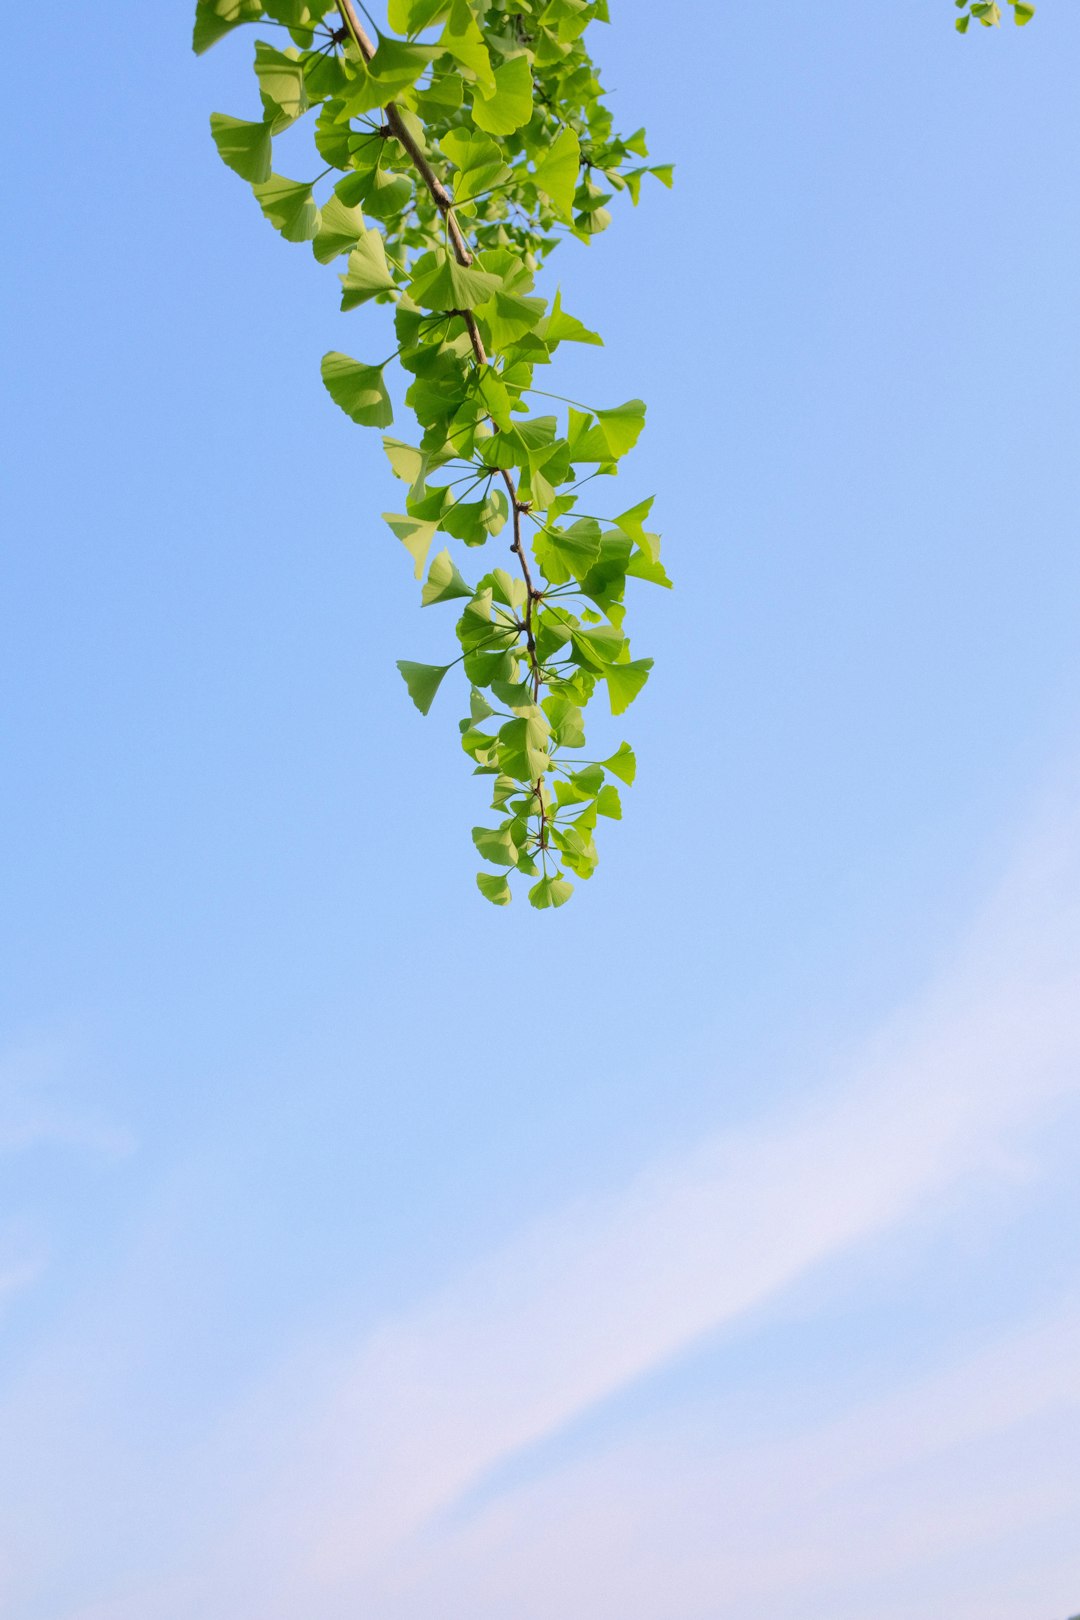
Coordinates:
x,y
445,204
439,194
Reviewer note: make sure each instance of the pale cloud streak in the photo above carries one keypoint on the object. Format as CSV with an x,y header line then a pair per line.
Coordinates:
x,y
330,1491
841,1518
579,1306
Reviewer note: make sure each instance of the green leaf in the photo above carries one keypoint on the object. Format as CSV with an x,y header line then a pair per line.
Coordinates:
x,y
358,389
495,845
324,76
493,888
387,196
245,147
522,747
623,763
415,534
578,847
281,85
550,891
567,720
339,228
411,16
508,316
368,273
582,785
406,462
216,18
445,284
289,206
559,327
632,524
557,172
598,647
625,682
608,802
478,161
442,94
1022,13
423,681
641,566
295,14
565,554
510,105
613,433
621,426
394,67
462,39
444,583
479,707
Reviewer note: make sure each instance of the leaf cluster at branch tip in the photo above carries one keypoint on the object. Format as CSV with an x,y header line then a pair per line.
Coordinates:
x,y
988,13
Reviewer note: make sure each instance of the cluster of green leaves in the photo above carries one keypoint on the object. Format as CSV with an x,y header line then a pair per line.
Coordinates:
x,y
457,149
988,12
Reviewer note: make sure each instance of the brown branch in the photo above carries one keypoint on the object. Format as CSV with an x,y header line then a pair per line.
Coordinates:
x,y
532,596
445,204
439,194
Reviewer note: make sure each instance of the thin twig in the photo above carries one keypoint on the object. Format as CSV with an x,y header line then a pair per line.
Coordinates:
x,y
445,204
440,196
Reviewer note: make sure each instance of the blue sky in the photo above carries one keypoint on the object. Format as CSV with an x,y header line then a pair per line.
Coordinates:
x,y
708,1249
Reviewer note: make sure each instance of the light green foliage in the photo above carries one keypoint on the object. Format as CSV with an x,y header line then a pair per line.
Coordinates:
x,y
989,12
455,151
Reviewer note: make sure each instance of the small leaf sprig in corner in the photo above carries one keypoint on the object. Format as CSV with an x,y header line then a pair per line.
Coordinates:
x,y
988,13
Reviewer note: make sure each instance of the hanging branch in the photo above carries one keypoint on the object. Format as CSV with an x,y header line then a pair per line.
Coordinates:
x,y
493,145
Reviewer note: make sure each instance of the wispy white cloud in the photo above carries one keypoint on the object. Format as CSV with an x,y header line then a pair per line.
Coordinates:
x,y
33,1117
582,1304
34,1114
328,1492
843,1518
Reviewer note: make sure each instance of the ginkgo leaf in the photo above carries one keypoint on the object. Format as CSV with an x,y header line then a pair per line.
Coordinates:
x,y
281,84
557,172
423,681
289,206
245,147
621,426
565,554
411,16
550,891
449,285
339,228
462,39
368,272
216,18
510,104
559,327
625,681
623,763
444,583
496,845
493,888
395,66
358,389
415,534
478,161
